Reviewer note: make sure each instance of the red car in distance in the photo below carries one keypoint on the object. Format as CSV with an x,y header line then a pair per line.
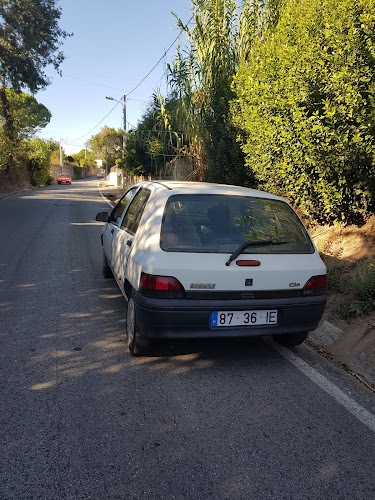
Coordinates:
x,y
64,179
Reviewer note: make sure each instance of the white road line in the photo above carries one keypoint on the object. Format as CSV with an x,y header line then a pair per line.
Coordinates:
x,y
109,203
343,399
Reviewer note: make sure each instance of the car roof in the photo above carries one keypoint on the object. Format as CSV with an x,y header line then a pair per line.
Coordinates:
x,y
188,187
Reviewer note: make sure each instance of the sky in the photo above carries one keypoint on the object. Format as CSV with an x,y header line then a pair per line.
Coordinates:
x,y
114,46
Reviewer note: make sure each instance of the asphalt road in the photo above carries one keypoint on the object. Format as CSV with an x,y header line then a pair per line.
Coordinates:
x,y
82,419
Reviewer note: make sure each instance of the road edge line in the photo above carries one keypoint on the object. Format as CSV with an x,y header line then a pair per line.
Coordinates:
x,y
358,411
101,194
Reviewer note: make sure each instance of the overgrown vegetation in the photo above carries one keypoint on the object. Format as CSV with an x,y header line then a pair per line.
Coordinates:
x,y
278,95
356,289
306,106
39,154
29,41
272,94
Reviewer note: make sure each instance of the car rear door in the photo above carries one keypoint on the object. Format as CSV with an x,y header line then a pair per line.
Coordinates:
x,y
123,236
115,218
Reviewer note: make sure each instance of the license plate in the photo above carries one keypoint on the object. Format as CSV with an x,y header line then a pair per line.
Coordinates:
x,y
241,318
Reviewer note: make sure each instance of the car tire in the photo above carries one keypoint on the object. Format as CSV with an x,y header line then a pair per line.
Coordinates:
x,y
107,271
291,339
138,344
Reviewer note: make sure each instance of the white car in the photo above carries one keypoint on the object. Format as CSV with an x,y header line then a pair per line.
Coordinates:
x,y
198,260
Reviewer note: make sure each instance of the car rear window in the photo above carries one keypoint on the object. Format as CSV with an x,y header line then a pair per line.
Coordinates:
x,y
220,224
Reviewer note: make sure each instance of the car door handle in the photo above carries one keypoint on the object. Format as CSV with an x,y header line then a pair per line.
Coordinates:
x,y
112,231
129,243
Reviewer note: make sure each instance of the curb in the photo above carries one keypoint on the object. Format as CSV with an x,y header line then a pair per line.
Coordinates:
x,y
360,363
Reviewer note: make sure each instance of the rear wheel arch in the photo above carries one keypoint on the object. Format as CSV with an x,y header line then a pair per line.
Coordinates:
x,y
138,344
107,271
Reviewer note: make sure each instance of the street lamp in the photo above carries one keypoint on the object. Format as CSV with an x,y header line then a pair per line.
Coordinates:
x,y
124,118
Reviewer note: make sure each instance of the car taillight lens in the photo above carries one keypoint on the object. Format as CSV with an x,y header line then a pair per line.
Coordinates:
x,y
316,285
160,286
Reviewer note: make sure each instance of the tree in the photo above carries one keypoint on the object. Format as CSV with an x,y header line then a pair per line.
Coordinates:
x,y
201,79
29,41
84,157
154,142
29,115
107,143
39,153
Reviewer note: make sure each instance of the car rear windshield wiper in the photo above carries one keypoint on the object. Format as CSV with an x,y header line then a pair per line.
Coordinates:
x,y
241,248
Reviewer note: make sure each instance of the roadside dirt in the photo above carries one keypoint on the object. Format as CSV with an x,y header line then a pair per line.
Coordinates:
x,y
9,187
349,253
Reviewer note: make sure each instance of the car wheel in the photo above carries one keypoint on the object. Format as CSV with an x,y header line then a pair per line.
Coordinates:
x,y
291,339
138,344
107,272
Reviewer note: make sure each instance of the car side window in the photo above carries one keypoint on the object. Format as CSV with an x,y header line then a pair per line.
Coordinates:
x,y
134,213
117,212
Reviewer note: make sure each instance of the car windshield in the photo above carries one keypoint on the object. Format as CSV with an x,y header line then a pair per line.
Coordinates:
x,y
64,175
221,224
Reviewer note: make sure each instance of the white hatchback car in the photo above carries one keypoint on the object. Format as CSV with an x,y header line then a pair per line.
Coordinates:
x,y
197,260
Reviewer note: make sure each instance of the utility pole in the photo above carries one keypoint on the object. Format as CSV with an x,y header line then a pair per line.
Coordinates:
x,y
124,119
61,162
124,127
85,167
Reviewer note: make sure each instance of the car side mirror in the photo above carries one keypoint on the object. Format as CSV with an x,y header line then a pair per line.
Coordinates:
x,y
102,217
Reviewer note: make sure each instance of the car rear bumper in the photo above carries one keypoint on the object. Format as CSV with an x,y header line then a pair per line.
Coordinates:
x,y
186,318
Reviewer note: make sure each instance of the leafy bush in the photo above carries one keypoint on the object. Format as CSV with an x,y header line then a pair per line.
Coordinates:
x,y
39,161
358,289
364,289
306,105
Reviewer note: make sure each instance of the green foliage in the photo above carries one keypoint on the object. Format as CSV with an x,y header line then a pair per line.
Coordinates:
x,y
153,143
28,114
107,144
358,290
84,157
305,100
201,81
338,281
39,161
77,172
364,289
29,41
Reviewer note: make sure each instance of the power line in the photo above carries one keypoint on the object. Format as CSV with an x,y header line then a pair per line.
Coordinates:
x,y
139,84
84,135
149,73
89,81
165,53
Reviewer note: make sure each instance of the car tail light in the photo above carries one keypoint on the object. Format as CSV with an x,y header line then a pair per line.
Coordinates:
x,y
160,287
253,263
316,285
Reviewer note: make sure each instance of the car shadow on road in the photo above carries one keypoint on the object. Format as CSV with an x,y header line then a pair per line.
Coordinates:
x,y
214,349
